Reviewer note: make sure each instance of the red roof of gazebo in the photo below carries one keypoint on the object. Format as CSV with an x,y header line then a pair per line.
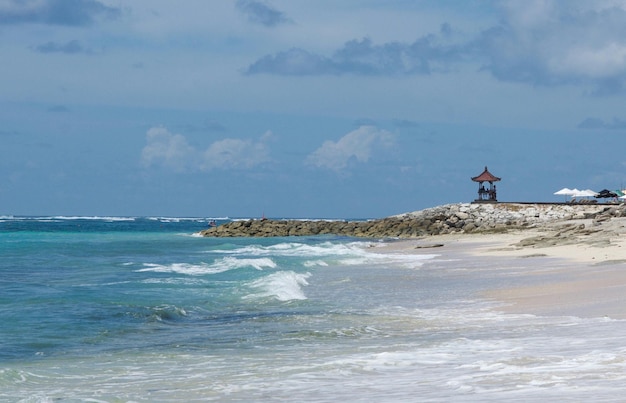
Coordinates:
x,y
486,176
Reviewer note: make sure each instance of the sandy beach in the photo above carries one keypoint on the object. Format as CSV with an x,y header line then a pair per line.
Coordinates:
x,y
587,257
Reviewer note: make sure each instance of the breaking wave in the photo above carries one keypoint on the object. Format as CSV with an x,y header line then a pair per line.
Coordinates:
x,y
219,266
282,285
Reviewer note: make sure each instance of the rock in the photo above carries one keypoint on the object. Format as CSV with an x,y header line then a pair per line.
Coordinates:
x,y
434,245
462,215
469,227
452,218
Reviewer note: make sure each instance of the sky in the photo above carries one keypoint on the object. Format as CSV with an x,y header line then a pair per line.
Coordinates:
x,y
308,109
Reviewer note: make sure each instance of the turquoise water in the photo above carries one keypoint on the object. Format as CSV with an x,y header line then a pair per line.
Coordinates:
x,y
140,309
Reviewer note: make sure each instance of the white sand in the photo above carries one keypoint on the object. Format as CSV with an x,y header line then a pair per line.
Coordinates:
x,y
594,273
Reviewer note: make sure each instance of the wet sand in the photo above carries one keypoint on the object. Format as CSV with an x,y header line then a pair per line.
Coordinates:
x,y
591,269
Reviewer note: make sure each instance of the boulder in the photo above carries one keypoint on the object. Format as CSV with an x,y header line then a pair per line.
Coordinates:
x,y
466,217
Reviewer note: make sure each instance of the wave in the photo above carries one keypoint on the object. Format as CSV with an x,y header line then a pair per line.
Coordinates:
x,y
180,268
352,253
110,218
298,249
230,263
100,218
219,266
163,313
60,218
408,261
184,281
313,263
187,219
282,285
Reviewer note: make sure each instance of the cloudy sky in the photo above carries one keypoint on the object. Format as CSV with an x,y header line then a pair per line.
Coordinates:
x,y
289,108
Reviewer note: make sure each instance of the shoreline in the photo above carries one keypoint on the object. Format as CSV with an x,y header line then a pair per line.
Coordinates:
x,y
584,245
580,265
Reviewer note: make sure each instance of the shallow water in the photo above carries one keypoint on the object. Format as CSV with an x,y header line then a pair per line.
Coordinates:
x,y
137,309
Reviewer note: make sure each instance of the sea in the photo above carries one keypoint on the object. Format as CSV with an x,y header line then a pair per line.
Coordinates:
x,y
143,309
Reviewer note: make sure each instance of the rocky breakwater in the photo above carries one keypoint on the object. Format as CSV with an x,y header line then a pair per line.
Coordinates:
x,y
446,219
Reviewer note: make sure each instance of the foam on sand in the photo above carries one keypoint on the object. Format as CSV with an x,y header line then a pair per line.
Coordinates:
x,y
579,265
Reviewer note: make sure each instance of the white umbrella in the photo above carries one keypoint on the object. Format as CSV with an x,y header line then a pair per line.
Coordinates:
x,y
565,192
575,193
584,193
589,193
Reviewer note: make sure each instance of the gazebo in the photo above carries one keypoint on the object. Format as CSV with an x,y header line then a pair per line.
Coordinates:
x,y
486,194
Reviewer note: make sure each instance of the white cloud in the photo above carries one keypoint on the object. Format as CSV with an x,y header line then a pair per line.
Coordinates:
x,y
235,154
601,62
261,13
174,152
167,149
56,12
551,42
357,145
539,42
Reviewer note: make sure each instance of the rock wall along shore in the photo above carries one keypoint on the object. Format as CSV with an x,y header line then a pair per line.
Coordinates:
x,y
446,219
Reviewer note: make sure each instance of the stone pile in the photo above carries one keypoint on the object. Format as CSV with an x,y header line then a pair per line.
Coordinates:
x,y
446,219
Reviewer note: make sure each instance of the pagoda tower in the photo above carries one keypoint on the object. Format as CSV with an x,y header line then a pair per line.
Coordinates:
x,y
486,194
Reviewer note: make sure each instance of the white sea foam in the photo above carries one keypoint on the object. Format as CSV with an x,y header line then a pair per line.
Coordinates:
x,y
101,218
218,266
282,285
187,281
184,219
110,218
230,263
409,261
181,268
323,254
313,263
299,249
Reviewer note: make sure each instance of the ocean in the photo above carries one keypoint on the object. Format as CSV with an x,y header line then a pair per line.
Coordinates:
x,y
140,309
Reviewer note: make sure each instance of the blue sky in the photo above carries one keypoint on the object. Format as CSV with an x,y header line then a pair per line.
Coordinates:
x,y
352,108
